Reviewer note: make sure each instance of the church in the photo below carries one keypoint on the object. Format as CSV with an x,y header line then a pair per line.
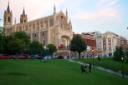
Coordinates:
x,y
54,29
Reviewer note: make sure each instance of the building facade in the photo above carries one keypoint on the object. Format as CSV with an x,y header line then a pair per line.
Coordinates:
x,y
94,41
55,29
90,41
124,43
110,42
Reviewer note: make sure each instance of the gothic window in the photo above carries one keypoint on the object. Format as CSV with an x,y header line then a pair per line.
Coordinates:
x,y
29,25
35,35
42,33
20,28
62,17
51,22
61,21
46,23
33,25
37,25
9,19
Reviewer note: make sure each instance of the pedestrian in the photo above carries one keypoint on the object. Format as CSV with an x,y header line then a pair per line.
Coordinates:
x,y
82,69
90,67
99,59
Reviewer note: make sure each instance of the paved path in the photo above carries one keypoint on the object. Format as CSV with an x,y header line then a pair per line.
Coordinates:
x,y
100,68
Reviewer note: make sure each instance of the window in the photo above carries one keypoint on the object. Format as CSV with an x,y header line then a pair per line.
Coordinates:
x,y
51,22
9,19
41,24
35,35
46,23
42,33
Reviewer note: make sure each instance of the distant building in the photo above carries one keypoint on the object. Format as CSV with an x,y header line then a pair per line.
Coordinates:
x,y
99,42
55,29
90,41
123,43
110,42
95,42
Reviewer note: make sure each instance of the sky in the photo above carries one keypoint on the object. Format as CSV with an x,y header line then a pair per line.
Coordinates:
x,y
85,15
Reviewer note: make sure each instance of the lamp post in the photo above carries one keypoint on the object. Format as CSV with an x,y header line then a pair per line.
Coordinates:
x,y
93,57
122,59
45,52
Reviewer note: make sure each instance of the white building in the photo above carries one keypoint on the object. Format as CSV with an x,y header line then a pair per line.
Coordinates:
x,y
99,42
110,42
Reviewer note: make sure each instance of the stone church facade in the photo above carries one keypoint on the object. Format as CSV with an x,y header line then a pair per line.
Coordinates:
x,y
55,29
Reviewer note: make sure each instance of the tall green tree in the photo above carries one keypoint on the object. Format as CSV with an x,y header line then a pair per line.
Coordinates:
x,y
36,48
118,54
1,42
25,38
78,44
22,36
17,42
16,46
51,49
126,55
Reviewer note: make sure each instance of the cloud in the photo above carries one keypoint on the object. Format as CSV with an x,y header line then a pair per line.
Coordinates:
x,y
107,13
107,3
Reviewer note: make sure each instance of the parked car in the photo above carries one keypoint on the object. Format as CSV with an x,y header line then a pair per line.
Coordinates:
x,y
21,56
4,57
36,56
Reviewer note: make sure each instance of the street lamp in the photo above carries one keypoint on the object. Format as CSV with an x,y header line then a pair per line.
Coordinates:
x,y
122,59
93,56
45,52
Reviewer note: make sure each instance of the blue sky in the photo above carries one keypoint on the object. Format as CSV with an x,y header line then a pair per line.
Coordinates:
x,y
86,15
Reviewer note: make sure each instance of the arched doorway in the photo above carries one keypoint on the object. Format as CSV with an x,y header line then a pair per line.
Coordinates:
x,y
65,41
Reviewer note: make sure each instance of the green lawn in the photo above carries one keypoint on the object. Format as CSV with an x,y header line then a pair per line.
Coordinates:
x,y
54,72
108,63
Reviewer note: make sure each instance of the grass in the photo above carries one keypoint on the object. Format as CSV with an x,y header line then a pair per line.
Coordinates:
x,y
108,63
54,72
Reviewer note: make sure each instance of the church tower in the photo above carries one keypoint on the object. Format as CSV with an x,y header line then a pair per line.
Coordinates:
x,y
7,17
23,17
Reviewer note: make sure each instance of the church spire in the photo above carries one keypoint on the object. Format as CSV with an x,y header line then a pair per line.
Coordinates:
x,y
23,17
23,11
66,13
54,9
8,7
15,21
70,23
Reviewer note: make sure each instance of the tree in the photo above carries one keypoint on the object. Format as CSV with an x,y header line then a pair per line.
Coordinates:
x,y
36,48
1,42
16,46
77,44
118,54
17,42
126,55
51,49
22,35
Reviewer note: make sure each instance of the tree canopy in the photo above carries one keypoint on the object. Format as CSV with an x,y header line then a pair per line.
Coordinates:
x,y
36,48
17,42
118,54
51,49
77,44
